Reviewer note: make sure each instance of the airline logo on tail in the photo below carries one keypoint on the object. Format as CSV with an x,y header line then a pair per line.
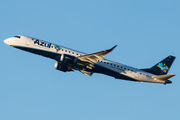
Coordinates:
x,y
164,68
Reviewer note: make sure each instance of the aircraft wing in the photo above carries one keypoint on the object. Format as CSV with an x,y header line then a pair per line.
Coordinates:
x,y
92,58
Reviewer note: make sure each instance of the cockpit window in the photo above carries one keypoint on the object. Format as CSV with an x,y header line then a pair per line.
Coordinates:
x,y
17,36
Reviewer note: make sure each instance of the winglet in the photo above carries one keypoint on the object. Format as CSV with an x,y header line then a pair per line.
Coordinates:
x,y
111,48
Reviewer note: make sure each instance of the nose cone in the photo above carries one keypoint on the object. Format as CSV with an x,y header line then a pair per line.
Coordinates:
x,y
7,41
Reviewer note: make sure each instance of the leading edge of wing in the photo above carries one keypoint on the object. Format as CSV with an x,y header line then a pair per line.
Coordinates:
x,y
93,57
100,54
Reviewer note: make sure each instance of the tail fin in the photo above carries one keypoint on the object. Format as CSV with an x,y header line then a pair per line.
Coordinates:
x,y
162,67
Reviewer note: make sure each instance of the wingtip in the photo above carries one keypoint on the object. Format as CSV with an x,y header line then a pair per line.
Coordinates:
x,y
115,46
112,48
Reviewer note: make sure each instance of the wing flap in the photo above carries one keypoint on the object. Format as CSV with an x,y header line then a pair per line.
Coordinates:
x,y
86,72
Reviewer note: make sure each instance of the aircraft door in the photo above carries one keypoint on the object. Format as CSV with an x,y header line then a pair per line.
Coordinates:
x,y
136,74
27,41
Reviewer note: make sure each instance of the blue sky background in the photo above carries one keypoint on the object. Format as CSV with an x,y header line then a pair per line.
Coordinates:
x,y
146,31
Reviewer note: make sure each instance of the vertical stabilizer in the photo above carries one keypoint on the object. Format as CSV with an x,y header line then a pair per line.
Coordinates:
x,y
162,67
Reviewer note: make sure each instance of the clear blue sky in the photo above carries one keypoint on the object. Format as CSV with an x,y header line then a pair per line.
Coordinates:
x,y
146,31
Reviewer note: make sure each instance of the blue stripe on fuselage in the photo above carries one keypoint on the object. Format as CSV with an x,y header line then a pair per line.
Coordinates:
x,y
39,52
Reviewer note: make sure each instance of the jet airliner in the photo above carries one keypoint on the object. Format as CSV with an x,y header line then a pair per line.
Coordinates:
x,y
68,60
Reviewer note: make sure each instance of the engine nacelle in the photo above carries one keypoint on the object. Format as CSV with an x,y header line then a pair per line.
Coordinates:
x,y
67,59
61,67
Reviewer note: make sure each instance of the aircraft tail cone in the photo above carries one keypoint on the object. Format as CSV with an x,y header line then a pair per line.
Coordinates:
x,y
168,82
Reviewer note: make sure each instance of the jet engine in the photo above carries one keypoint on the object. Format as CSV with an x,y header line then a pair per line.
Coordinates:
x,y
62,67
67,59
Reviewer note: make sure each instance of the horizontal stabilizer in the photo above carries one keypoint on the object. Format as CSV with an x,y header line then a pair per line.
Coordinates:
x,y
163,77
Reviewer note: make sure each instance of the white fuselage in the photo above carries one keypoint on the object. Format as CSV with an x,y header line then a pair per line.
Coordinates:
x,y
122,70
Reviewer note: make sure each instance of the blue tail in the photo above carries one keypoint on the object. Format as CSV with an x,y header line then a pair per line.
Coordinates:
x,y
162,67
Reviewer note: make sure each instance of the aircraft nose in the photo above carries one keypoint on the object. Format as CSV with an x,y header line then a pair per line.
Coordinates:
x,y
7,41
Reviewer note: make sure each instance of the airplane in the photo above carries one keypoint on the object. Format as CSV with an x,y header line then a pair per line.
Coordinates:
x,y
68,60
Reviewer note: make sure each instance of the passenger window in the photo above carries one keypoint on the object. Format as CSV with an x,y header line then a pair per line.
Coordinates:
x,y
65,50
69,51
